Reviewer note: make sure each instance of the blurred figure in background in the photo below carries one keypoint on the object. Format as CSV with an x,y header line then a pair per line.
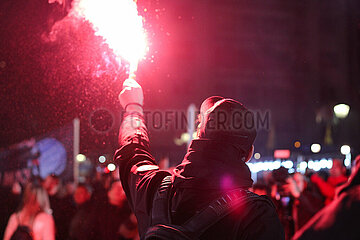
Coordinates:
x,y
307,200
337,177
33,217
81,223
81,195
9,201
283,200
62,205
260,189
338,220
111,219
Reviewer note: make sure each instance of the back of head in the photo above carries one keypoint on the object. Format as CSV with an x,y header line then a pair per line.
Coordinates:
x,y
227,120
35,199
338,168
116,194
81,194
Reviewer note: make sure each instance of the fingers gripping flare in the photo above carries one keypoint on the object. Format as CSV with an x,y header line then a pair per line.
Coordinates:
x,y
131,97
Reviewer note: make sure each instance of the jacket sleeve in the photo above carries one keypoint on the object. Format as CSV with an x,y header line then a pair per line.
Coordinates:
x,y
139,173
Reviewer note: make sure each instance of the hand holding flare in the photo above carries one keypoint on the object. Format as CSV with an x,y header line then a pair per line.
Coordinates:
x,y
131,97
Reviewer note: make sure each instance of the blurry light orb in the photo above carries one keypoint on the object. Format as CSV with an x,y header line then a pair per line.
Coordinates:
x,y
315,148
341,110
194,136
185,137
303,166
329,163
178,141
111,167
311,164
80,157
323,163
345,149
257,155
317,165
297,144
287,164
347,162
102,159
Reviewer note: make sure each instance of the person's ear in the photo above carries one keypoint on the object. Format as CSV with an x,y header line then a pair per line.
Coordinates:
x,y
250,154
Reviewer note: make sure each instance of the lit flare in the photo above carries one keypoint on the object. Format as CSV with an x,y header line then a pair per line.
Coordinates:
x,y
118,22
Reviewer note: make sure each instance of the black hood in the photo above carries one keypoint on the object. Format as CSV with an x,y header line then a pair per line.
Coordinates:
x,y
211,164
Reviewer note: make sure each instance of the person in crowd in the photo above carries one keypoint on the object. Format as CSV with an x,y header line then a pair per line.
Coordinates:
x,y
82,223
62,205
338,220
337,177
51,184
283,200
214,165
307,199
82,195
33,217
109,220
8,198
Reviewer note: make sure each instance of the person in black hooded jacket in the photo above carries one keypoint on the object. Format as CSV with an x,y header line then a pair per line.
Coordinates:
x,y
214,165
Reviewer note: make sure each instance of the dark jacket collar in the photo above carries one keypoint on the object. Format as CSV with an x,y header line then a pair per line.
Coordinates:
x,y
213,164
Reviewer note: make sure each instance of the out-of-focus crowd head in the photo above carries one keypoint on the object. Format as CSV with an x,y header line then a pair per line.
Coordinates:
x,y
51,184
300,181
82,194
35,199
338,168
116,194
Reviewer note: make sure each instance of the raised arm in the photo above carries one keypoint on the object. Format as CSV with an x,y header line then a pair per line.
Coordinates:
x,y
138,170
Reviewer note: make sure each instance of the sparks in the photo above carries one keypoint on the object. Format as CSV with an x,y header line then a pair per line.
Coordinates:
x,y
118,22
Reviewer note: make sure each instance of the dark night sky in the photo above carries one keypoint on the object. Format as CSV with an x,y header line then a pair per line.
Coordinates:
x,y
294,59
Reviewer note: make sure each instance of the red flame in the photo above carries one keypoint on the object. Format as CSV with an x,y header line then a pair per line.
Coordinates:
x,y
118,22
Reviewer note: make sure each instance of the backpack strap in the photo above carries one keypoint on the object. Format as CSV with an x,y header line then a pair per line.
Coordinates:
x,y
160,212
201,221
217,210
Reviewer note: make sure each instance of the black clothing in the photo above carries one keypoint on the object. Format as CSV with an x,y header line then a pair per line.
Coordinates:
x,y
11,202
108,219
307,205
210,169
81,224
100,220
63,211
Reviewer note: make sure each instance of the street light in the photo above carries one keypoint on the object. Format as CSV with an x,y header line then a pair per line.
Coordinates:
x,y
80,157
341,110
111,167
102,159
315,148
